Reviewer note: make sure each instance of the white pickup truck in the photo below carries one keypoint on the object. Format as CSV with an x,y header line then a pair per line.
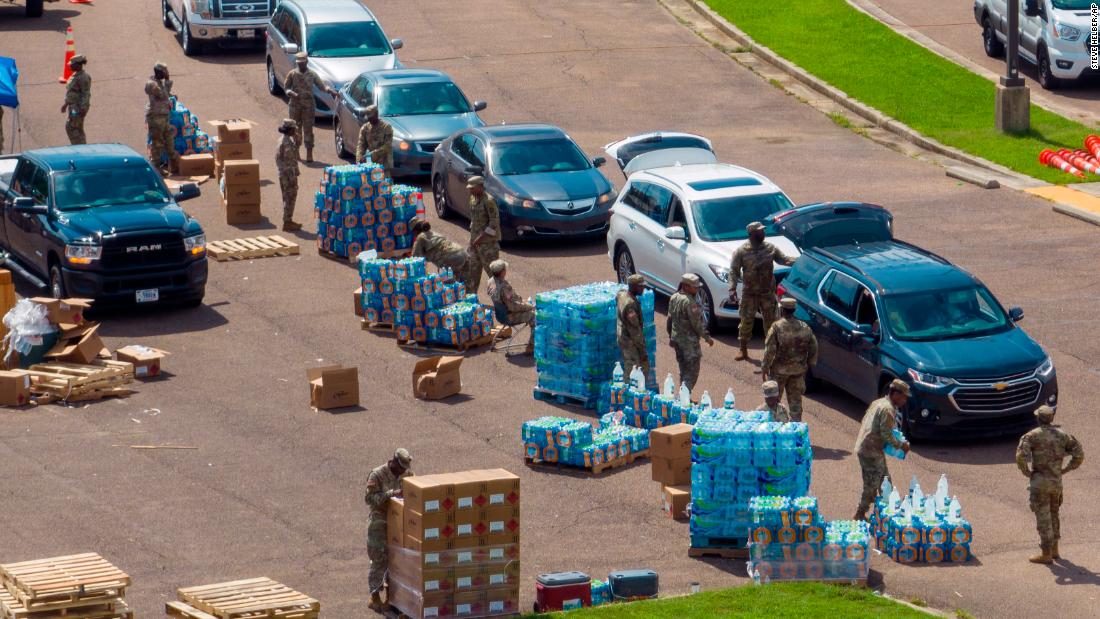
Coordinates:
x,y
1054,36
201,22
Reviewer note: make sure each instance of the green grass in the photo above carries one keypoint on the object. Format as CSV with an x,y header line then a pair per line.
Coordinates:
x,y
800,600
859,55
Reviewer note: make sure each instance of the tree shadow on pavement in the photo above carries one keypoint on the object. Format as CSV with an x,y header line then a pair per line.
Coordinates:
x,y
1067,572
230,55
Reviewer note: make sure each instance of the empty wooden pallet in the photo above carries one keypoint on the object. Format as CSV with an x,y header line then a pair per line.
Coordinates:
x,y
254,598
11,608
255,247
75,382
83,585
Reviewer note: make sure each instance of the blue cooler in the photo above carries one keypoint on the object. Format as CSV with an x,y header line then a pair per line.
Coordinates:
x,y
627,585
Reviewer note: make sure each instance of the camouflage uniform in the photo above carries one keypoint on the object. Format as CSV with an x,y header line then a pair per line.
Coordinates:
x,y
1040,455
631,333
685,329
779,413
790,348
376,140
286,161
78,96
752,265
875,432
303,108
519,312
484,217
444,253
157,113
381,485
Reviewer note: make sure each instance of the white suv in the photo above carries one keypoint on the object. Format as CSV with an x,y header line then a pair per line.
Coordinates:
x,y
1054,36
682,212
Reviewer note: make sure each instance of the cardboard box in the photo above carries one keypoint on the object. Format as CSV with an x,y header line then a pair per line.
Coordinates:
x,y
672,472
502,601
672,442
242,213
470,490
435,378
429,527
468,603
499,519
15,387
358,301
428,545
675,501
428,493
241,194
419,605
241,172
333,386
233,130
405,566
395,521
78,345
499,539
147,361
500,574
467,577
229,151
196,165
502,488
468,527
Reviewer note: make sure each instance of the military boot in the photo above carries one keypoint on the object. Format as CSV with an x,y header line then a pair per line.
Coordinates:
x,y
1054,551
743,354
376,603
291,226
309,154
1044,557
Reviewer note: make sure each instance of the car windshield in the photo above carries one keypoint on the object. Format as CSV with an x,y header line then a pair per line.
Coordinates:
x,y
725,219
537,156
1073,5
347,39
422,98
79,189
944,314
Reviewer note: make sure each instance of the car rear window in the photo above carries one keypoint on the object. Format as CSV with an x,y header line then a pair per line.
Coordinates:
x,y
804,273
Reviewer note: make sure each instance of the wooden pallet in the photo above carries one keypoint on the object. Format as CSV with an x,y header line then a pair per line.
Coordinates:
x,y
255,247
377,327
64,582
76,382
725,547
614,463
546,395
11,608
396,254
250,599
485,340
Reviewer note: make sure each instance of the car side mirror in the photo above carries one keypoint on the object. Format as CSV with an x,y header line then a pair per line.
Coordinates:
x,y
480,105
29,206
598,161
397,43
187,191
675,233
1016,314
864,331
290,48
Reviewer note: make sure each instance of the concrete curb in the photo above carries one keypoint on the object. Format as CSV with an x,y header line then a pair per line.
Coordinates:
x,y
1076,213
841,98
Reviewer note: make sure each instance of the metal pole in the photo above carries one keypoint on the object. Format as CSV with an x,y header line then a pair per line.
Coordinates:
x,y
1012,54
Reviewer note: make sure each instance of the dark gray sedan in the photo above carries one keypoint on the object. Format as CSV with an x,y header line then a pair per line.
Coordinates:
x,y
422,105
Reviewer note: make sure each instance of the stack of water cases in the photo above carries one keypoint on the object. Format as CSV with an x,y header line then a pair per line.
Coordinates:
x,y
601,592
735,459
577,443
789,540
575,343
188,138
359,209
919,528
422,307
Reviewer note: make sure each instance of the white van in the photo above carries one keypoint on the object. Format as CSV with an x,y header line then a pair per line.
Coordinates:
x,y
1055,36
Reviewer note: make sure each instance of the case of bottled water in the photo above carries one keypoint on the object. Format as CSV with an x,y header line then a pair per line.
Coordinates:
x,y
601,592
577,443
188,138
789,540
358,209
919,528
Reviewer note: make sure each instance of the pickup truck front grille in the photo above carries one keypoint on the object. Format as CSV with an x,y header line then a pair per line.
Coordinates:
x,y
143,251
243,9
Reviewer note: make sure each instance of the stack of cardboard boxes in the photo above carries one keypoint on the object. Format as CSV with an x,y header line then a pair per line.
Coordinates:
x,y
453,545
237,172
670,451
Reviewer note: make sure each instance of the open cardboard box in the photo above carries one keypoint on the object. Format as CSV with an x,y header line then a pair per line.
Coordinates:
x,y
233,130
147,361
435,378
333,386
78,345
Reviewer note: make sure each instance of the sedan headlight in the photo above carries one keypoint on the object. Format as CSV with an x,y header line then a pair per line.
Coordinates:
x,y
518,201
195,245
1045,369
929,380
83,254
606,198
1066,32
403,145
722,273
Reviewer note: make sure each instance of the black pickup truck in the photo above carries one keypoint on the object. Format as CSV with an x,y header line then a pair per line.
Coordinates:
x,y
97,221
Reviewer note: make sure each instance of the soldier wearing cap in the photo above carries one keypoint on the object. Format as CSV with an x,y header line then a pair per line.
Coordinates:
x,y
502,293
441,251
1040,456
383,483
78,98
790,348
685,329
629,328
286,162
753,266
484,229
875,432
376,140
299,84
772,395
162,148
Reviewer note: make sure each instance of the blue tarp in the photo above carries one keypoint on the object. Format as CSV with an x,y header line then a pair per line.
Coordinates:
x,y
9,97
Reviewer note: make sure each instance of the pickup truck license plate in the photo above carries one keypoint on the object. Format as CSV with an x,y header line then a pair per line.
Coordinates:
x,y
148,296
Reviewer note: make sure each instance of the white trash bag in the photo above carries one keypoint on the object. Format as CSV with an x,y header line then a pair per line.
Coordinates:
x,y
26,323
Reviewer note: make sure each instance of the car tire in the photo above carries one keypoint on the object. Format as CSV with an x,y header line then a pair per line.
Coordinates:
x,y
1042,67
166,15
706,302
338,138
57,282
33,8
624,264
439,197
993,46
190,46
273,82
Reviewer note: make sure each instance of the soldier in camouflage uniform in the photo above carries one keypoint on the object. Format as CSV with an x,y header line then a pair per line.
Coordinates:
x,y
875,432
376,140
78,97
286,161
772,395
484,230
753,266
685,329
157,113
519,312
298,86
629,328
441,251
383,483
1040,456
790,348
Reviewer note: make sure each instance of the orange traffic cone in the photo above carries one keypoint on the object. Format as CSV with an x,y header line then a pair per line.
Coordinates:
x,y
1087,156
1081,163
1052,159
70,51
80,1
1092,144
420,206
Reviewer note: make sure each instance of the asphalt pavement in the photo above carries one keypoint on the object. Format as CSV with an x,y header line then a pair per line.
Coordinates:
x,y
275,489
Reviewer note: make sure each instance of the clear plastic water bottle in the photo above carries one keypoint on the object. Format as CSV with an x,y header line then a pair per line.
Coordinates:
x,y
895,500
637,378
705,400
670,386
917,497
941,486
729,399
954,513
685,395
886,487
929,512
617,374
906,508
